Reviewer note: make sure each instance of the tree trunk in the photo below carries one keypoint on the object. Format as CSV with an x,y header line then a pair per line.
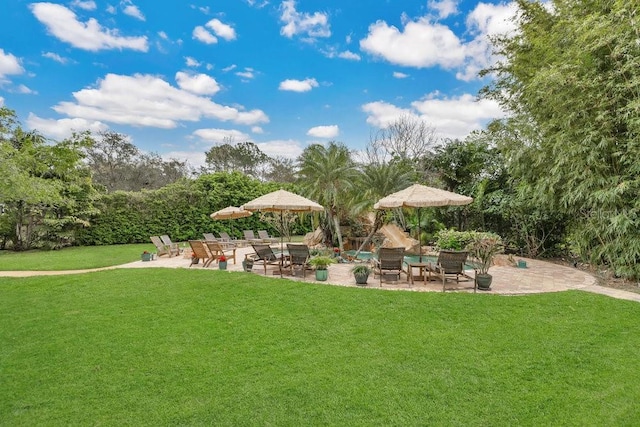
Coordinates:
x,y
377,223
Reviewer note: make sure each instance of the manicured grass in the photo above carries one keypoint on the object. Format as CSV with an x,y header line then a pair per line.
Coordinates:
x,y
74,258
180,347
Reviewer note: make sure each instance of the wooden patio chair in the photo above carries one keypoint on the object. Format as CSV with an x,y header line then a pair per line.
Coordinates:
x,y
175,248
164,249
199,252
389,262
262,234
250,237
264,255
450,264
232,241
299,256
217,250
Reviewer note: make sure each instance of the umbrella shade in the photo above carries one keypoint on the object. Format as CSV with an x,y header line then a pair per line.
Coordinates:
x,y
421,196
280,201
230,212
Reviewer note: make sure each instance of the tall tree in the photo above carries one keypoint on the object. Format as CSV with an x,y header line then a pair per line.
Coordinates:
x,y
572,73
327,174
245,157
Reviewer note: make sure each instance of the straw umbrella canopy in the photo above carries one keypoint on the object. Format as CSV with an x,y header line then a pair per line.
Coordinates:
x,y
230,212
420,196
282,201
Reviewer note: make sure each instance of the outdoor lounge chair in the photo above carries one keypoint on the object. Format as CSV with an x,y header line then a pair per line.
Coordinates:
x,y
299,256
164,249
251,238
264,255
175,248
450,264
262,234
389,263
200,252
217,250
224,236
209,237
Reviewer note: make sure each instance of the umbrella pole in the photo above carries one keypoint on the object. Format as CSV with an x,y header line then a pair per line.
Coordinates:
x,y
281,242
419,242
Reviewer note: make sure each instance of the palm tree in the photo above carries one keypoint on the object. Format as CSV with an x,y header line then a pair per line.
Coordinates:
x,y
376,181
327,174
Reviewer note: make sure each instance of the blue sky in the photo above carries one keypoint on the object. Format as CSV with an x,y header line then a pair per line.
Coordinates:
x,y
179,77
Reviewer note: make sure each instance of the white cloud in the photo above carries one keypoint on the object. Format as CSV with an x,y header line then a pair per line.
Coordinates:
x,y
247,74
202,34
399,75
421,44
1,101
163,35
85,5
55,57
146,100
289,148
133,11
221,135
453,117
63,128
257,129
200,84
312,25
9,64
444,8
221,30
192,62
63,24
193,158
347,54
112,9
324,131
25,90
229,68
298,85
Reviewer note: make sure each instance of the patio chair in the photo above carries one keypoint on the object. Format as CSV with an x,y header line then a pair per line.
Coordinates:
x,y
450,264
209,237
251,238
162,248
299,256
224,236
167,241
217,250
389,263
264,255
200,252
262,234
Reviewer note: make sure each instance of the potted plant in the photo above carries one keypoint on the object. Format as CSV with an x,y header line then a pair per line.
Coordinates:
x,y
146,256
482,249
222,262
321,264
361,273
247,264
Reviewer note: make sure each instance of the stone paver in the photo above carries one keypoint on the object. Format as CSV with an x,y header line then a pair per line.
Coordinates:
x,y
539,276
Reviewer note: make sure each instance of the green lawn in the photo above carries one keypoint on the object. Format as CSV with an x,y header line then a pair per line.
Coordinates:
x,y
180,347
73,258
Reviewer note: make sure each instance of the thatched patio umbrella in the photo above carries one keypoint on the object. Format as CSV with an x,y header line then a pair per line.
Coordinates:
x,y
282,201
230,212
420,196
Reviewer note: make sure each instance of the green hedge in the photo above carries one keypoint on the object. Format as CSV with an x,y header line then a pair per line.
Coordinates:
x,y
180,210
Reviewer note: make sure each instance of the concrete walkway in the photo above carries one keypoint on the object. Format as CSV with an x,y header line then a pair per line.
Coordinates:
x,y
538,277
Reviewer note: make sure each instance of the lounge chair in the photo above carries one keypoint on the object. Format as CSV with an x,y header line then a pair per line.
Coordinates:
x,y
262,234
251,238
209,237
389,262
200,252
164,249
450,264
264,255
224,237
217,250
299,256
167,241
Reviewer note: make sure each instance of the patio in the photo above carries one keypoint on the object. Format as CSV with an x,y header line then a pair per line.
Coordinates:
x,y
539,276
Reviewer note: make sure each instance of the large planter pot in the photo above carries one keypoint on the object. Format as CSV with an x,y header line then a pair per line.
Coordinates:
x,y
484,281
247,265
361,279
322,275
146,257
222,265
